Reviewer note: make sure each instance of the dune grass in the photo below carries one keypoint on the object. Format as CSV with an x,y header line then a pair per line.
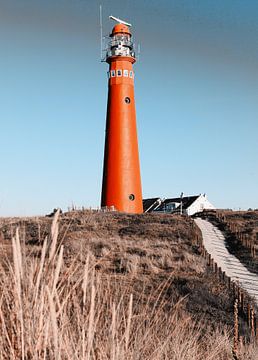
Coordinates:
x,y
51,309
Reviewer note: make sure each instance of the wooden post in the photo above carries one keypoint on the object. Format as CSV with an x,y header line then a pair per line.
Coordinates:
x,y
220,277
242,297
209,260
252,322
248,314
235,344
234,288
229,283
256,330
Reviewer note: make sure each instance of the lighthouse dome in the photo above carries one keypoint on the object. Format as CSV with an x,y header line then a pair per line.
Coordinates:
x,y
120,29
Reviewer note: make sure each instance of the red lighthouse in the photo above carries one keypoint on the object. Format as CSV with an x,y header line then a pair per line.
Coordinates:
x,y
121,186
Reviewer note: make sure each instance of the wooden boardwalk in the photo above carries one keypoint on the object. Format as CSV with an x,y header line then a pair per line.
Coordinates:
x,y
215,244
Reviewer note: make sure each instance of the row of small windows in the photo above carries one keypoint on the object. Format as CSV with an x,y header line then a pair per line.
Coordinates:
x,y
119,73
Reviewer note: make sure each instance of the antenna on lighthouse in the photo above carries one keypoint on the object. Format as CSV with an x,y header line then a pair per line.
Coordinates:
x,y
119,20
101,32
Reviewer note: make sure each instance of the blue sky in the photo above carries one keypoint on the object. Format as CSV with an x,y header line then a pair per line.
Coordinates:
x,y
196,95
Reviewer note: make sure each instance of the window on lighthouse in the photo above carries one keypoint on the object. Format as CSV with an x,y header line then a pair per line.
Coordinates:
x,y
119,73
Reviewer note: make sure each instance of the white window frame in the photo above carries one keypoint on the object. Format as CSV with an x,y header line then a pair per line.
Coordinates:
x,y
113,73
131,74
121,73
126,73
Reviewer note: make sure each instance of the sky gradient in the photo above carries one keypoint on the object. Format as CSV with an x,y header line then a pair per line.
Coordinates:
x,y
196,88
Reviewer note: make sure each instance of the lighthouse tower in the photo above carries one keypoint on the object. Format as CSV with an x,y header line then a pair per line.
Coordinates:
x,y
121,186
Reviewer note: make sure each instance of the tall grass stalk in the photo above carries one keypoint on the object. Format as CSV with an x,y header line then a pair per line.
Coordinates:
x,y
54,235
128,326
53,318
18,275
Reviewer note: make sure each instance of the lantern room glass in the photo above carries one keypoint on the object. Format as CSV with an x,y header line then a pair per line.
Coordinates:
x,y
120,45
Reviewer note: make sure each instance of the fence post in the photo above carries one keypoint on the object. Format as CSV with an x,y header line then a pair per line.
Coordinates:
x,y
220,273
256,330
241,300
209,260
216,268
212,262
235,345
229,283
248,314
252,322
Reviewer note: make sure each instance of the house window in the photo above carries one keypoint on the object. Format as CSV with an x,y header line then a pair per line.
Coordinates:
x,y
131,74
113,73
126,73
119,73
171,206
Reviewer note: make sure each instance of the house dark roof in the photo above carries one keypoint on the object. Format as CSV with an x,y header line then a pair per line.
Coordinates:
x,y
156,204
186,202
150,204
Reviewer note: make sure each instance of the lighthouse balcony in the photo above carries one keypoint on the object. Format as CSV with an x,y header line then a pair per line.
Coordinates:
x,y
120,51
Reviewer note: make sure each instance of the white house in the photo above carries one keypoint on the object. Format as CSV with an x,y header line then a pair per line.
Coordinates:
x,y
200,204
189,205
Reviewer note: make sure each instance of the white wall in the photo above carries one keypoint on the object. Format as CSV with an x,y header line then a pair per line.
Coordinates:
x,y
199,205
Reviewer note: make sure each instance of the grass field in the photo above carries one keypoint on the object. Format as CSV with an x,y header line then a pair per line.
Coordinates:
x,y
110,286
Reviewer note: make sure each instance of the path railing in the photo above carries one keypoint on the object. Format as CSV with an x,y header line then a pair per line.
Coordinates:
x,y
244,304
247,239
